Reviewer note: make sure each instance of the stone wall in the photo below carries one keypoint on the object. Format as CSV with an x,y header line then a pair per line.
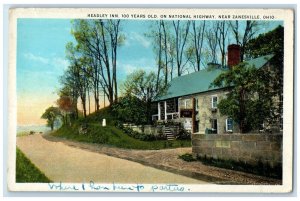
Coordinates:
x,y
248,148
206,113
148,129
152,130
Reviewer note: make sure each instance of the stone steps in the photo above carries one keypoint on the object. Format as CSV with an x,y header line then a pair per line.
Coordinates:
x,y
169,134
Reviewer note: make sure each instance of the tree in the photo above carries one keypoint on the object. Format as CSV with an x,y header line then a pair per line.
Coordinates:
x,y
51,114
270,43
156,35
197,43
243,33
65,105
99,40
142,86
222,36
211,35
181,37
69,89
130,109
267,43
77,73
250,100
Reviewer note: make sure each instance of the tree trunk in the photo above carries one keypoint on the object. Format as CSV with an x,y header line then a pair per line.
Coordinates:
x,y
83,100
115,72
242,112
159,56
89,99
166,54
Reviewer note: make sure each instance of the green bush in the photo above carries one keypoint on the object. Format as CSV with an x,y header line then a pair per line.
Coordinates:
x,y
187,157
259,169
130,109
114,134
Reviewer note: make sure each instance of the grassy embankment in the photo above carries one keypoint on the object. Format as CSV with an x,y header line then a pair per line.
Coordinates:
x,y
27,172
110,135
259,169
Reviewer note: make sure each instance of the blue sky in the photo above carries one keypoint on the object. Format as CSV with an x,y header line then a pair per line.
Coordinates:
x,y
41,60
41,52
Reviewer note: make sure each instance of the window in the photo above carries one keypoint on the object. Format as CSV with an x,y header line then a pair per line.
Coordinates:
x,y
197,104
214,101
229,125
188,104
214,126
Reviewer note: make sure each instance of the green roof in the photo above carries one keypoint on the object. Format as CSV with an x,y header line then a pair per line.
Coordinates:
x,y
199,82
259,61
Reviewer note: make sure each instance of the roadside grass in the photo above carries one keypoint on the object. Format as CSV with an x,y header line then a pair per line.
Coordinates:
x,y
187,157
110,135
259,169
21,134
27,172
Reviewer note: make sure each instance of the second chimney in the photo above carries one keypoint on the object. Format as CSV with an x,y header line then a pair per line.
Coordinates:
x,y
234,53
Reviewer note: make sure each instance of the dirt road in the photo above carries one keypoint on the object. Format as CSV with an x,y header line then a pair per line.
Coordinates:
x,y
61,162
167,159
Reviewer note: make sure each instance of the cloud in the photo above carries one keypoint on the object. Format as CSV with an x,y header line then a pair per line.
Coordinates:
x,y
33,57
134,37
53,61
60,63
128,67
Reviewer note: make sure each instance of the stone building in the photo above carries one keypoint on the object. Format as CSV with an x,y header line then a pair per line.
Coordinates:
x,y
192,101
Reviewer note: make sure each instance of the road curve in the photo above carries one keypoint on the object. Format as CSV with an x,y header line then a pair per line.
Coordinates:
x,y
62,163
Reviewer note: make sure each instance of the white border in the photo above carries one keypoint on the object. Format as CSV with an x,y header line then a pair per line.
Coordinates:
x,y
286,15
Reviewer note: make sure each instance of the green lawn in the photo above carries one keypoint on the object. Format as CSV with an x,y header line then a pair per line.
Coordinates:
x,y
27,172
113,136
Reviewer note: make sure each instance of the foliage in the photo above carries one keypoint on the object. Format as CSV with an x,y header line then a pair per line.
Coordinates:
x,y
250,99
112,136
75,76
98,116
140,136
187,157
271,43
70,91
139,91
259,169
130,109
65,105
51,114
142,85
267,43
98,42
164,49
249,30
26,172
182,134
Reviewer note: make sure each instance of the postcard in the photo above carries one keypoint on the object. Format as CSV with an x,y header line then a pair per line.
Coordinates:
x,y
150,100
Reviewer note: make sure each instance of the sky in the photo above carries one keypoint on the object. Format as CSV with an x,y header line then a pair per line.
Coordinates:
x,y
41,61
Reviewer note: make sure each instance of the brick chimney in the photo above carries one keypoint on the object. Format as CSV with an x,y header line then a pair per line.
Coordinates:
x,y
234,52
